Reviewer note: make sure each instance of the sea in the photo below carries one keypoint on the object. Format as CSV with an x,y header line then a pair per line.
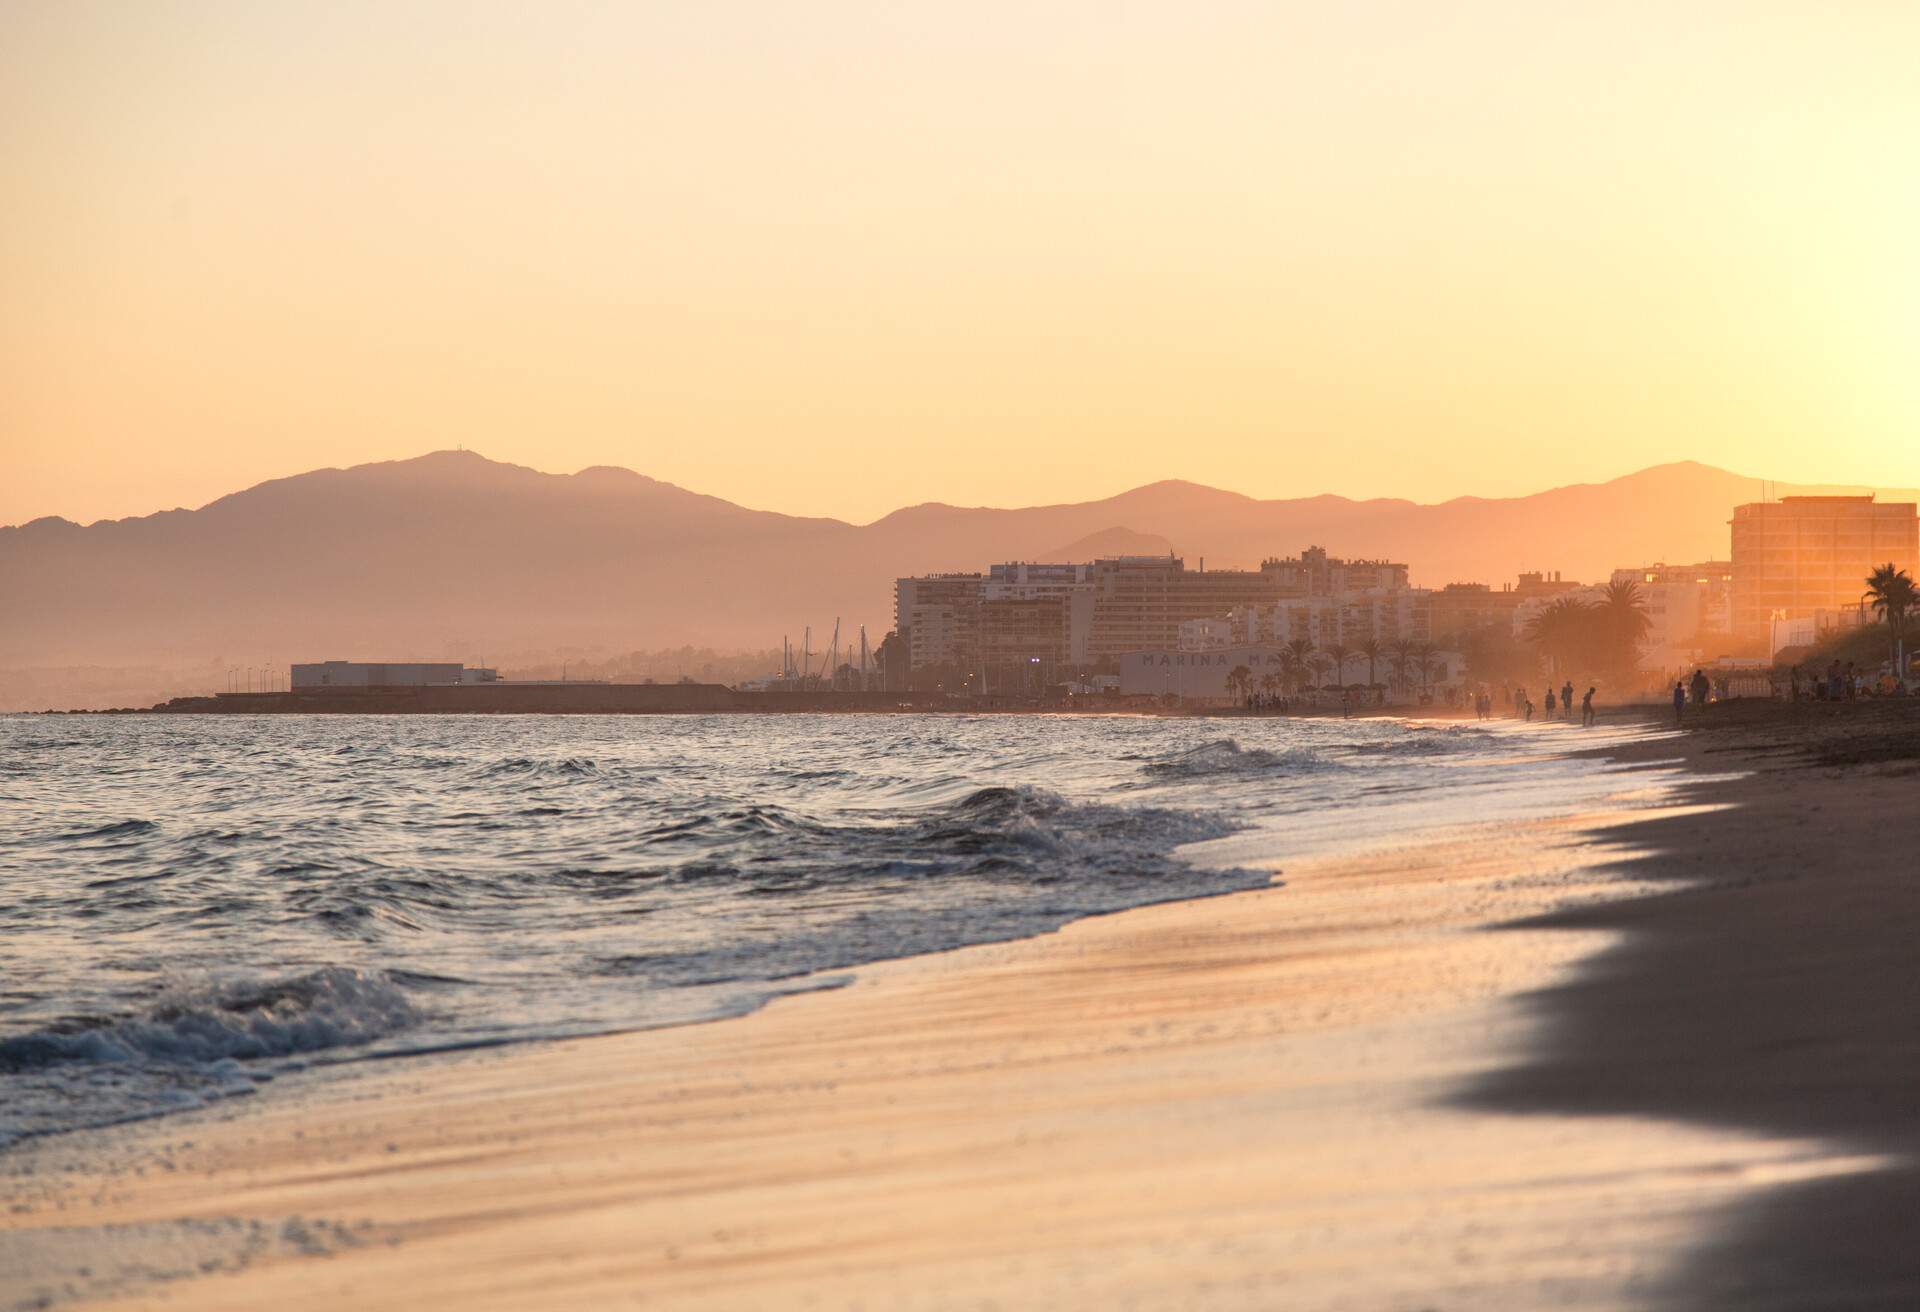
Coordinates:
x,y
192,907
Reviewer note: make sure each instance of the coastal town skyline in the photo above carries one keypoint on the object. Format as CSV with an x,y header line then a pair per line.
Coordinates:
x,y
930,599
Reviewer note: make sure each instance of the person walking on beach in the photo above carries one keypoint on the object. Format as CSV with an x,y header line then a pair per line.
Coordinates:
x,y
1566,698
1586,710
1679,703
1700,687
1549,701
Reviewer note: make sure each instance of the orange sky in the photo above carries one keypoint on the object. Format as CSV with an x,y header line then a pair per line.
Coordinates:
x,y
838,258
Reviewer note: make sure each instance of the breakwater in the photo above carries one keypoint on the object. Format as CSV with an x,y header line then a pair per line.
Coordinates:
x,y
549,699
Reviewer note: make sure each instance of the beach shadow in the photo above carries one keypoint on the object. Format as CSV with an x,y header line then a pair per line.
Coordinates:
x,y
1774,989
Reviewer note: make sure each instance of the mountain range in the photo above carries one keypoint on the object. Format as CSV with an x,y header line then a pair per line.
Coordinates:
x,y
454,556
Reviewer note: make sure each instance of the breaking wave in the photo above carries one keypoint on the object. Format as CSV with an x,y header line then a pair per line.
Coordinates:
x,y
1419,740
329,1008
190,1048
1225,756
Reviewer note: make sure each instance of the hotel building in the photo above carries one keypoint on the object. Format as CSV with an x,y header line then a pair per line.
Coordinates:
x,y
1798,556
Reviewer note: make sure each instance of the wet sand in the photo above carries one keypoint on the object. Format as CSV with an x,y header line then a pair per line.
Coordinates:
x,y
1352,1091
1773,987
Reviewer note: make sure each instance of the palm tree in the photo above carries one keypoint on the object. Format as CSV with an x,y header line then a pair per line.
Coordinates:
x,y
1560,630
1402,650
1340,653
1240,678
1272,681
1294,656
1892,592
1371,649
1293,669
1625,609
1319,663
1623,623
1423,661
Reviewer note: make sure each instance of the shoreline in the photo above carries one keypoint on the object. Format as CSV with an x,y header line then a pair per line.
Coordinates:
x,y
1769,984
1157,1050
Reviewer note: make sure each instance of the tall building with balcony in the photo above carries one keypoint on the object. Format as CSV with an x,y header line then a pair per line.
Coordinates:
x,y
1067,585
1077,615
1460,609
938,618
1024,631
1139,602
1313,573
1798,556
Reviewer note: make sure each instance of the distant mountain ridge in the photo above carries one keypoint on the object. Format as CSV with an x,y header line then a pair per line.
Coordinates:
x,y
454,555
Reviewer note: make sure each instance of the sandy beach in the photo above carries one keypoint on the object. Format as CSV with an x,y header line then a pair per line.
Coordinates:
x,y
1658,1056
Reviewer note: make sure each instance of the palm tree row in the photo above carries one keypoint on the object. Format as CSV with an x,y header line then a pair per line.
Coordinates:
x,y
1601,635
1299,660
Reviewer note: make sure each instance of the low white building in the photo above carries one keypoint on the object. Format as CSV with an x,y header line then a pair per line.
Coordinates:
x,y
1349,617
1206,635
1193,675
384,674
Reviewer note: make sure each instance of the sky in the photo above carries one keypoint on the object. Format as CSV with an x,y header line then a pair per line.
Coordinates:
x,y
835,259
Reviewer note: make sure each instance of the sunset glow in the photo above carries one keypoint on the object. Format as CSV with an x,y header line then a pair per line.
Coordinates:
x,y
833,260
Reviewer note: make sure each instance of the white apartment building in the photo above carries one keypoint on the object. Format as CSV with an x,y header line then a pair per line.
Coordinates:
x,y
1683,601
1021,580
1350,618
938,635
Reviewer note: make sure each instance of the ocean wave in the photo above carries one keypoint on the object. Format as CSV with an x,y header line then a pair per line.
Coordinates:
x,y
568,876
565,767
334,1007
1225,756
119,829
1423,742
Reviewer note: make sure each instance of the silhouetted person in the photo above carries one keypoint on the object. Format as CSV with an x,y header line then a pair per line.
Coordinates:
x,y
1586,710
1700,687
1566,698
1550,701
1679,703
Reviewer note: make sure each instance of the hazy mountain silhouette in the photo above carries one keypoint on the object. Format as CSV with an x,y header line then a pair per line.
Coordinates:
x,y
456,556
1112,542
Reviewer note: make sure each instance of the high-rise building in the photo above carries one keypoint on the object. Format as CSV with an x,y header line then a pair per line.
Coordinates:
x,y
1068,585
938,618
1463,608
1093,613
1798,556
1313,573
1139,602
1024,631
